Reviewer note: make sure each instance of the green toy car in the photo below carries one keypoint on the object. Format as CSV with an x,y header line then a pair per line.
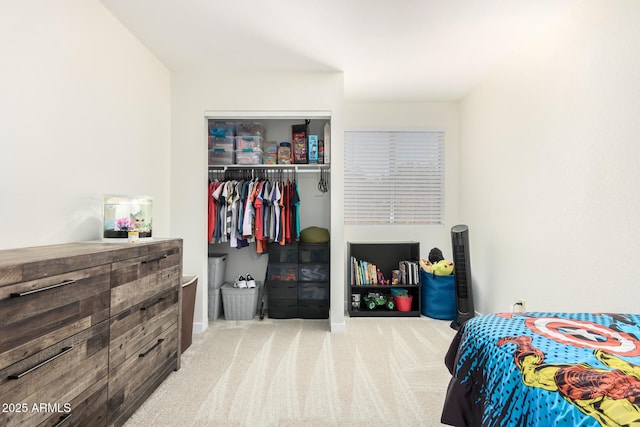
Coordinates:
x,y
374,300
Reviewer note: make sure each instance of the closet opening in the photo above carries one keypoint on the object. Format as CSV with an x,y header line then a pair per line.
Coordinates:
x,y
268,190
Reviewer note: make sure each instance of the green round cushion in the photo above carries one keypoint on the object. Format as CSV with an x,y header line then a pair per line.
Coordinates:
x,y
314,235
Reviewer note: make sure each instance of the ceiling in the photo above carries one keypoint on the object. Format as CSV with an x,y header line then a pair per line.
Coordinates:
x,y
387,49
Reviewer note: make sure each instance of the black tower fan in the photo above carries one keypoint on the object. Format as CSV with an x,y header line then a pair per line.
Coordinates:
x,y
462,270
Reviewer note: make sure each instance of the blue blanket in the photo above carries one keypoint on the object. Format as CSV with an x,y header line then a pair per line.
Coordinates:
x,y
545,369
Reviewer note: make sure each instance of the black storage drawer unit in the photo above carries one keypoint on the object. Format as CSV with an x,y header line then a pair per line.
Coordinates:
x,y
313,272
284,254
282,272
283,290
283,309
298,281
313,253
313,309
313,291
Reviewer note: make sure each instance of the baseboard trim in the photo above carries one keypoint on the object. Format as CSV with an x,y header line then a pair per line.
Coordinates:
x,y
199,327
338,328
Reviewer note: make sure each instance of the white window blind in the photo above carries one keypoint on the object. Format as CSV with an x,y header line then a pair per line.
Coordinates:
x,y
394,177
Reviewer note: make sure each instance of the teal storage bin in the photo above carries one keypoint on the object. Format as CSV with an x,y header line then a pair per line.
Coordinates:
x,y
438,296
399,292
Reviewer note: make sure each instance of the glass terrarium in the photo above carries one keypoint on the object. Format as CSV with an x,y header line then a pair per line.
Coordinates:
x,y
125,215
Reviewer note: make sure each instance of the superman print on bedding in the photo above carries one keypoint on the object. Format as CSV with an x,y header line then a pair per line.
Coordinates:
x,y
560,369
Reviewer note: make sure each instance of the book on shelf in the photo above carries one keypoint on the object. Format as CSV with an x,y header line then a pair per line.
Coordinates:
x,y
363,272
409,273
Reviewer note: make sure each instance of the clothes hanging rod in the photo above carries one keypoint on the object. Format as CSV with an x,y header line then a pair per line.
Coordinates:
x,y
304,168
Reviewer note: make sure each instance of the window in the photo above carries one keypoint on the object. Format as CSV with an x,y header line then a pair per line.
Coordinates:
x,y
394,177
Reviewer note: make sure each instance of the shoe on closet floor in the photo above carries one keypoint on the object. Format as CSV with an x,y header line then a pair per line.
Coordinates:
x,y
250,282
240,282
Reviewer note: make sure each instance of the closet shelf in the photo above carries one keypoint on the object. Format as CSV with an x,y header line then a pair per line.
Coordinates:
x,y
294,167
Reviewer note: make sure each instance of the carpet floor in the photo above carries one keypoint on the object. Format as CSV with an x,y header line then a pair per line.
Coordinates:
x,y
381,371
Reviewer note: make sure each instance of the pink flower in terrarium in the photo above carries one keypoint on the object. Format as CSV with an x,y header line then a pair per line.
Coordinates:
x,y
123,224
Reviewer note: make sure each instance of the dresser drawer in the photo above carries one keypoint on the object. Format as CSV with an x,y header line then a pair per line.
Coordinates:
x,y
39,313
87,409
47,383
139,326
131,382
137,279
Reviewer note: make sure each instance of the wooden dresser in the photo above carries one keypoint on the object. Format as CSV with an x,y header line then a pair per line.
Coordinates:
x,y
87,330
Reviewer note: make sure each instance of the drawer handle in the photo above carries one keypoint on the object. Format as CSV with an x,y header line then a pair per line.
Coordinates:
x,y
64,351
63,419
158,301
154,346
165,256
46,288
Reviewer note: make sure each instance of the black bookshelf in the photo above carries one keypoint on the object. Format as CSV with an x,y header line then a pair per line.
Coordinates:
x,y
387,257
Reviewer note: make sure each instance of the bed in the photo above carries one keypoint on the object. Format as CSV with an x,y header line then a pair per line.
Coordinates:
x,y
545,369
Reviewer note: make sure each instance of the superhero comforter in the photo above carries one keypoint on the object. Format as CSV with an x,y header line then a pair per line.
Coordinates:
x,y
545,369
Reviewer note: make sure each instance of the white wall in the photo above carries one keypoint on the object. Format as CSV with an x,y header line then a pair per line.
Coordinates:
x,y
85,110
422,116
196,93
549,168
